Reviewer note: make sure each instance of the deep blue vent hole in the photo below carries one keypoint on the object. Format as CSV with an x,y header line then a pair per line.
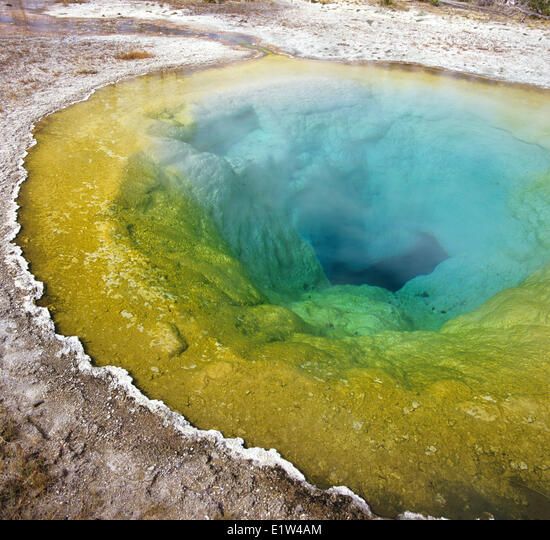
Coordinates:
x,y
339,243
391,273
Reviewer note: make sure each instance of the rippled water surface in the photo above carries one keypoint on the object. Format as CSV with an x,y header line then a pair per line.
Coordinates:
x,y
349,264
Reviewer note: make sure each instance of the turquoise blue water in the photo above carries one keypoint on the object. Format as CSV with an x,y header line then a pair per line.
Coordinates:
x,y
323,187
364,204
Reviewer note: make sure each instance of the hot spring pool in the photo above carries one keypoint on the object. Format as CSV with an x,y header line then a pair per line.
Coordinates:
x,y
347,263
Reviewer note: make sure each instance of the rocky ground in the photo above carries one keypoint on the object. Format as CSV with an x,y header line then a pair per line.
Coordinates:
x,y
82,442
485,44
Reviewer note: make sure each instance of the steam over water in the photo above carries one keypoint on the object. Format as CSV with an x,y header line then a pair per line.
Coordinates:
x,y
349,264
317,181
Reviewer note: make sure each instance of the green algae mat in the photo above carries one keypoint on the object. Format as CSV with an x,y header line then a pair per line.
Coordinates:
x,y
349,264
